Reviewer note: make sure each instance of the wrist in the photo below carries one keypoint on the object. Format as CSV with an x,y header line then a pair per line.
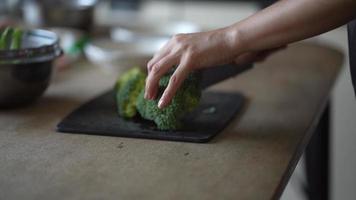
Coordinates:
x,y
236,39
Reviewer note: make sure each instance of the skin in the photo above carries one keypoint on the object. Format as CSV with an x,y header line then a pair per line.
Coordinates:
x,y
249,40
5,23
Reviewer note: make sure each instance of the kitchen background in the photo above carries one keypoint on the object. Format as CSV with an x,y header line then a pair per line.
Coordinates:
x,y
205,15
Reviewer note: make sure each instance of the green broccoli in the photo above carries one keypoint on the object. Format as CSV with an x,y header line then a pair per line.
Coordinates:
x,y
128,88
185,100
130,99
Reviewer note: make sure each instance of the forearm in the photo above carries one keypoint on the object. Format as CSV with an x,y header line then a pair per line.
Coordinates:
x,y
288,21
282,23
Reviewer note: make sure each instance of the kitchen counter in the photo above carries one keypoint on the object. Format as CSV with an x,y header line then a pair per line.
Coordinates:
x,y
252,158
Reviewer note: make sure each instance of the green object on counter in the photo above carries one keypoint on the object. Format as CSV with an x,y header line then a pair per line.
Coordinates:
x,y
5,38
128,88
16,39
78,46
130,99
11,39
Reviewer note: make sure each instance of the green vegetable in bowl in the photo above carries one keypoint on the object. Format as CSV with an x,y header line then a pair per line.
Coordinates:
x,y
6,34
185,100
11,38
16,39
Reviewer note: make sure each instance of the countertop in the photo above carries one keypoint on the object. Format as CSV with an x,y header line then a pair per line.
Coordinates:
x,y
252,158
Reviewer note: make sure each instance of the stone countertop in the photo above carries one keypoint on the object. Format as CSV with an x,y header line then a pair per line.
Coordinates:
x,y
252,158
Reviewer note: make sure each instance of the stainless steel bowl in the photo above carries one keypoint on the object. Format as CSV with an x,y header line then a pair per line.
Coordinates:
x,y
77,14
25,74
68,13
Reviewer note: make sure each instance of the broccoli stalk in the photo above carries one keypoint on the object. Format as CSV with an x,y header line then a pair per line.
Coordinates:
x,y
130,87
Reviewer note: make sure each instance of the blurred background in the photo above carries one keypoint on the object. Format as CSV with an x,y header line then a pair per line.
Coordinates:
x,y
117,34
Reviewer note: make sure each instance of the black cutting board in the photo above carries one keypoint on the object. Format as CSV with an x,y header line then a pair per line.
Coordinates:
x,y
99,117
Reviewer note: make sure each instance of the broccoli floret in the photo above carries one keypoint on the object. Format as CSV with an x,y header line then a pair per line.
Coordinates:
x,y
128,88
185,100
130,99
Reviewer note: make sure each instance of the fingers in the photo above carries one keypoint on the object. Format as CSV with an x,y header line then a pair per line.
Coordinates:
x,y
155,59
174,84
164,51
160,68
175,52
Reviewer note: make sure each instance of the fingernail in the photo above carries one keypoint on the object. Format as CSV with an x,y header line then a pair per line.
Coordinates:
x,y
160,104
146,95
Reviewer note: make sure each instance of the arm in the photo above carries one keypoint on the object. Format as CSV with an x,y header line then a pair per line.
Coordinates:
x,y
284,22
291,20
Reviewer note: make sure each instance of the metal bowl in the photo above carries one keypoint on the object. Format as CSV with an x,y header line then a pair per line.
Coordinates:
x,y
25,74
77,14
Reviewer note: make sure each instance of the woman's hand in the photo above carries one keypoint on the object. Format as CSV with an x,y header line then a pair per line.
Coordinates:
x,y
194,51
188,52
282,23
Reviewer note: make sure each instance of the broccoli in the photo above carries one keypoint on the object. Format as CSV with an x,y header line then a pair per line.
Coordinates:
x,y
128,87
130,99
185,100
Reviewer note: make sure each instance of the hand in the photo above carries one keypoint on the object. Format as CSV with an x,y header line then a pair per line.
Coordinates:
x,y
272,27
188,52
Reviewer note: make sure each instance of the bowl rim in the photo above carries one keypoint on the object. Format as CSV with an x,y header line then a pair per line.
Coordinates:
x,y
34,54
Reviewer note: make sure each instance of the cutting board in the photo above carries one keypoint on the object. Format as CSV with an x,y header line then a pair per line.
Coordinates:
x,y
100,117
